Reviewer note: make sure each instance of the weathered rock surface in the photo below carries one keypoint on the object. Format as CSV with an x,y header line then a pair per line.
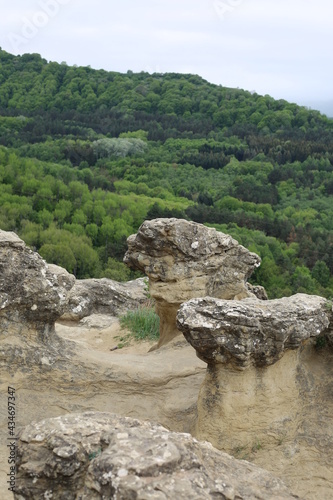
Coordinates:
x,y
80,373
55,370
32,294
251,331
266,389
258,291
184,260
279,416
103,296
100,455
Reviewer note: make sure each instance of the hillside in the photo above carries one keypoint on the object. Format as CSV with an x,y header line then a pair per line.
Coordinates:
x,y
87,155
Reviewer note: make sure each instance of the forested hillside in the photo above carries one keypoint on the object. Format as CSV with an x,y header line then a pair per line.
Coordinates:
x,y
87,155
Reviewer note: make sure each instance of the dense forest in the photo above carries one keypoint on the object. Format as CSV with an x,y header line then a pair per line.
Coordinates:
x,y
86,156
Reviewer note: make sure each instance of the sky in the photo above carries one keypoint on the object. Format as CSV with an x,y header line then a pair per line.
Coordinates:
x,y
278,47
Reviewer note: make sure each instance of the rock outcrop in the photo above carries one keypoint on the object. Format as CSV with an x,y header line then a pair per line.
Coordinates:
x,y
103,296
278,415
40,357
100,455
263,381
55,370
184,260
32,294
251,331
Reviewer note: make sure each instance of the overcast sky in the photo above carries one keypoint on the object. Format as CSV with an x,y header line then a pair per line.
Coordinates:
x,y
278,47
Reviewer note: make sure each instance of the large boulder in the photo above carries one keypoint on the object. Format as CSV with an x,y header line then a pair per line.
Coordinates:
x,y
103,297
33,295
100,455
184,260
251,331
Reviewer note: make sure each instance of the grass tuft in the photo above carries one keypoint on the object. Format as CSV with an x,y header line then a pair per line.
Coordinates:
x,y
144,324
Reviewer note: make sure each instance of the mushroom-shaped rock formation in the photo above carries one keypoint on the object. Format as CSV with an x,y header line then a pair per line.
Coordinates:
x,y
100,455
184,260
251,392
251,331
33,295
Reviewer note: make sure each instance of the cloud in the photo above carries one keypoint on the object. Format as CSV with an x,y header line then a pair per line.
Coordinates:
x,y
181,37
280,48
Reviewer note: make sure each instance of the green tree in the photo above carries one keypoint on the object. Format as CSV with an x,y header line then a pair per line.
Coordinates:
x,y
62,255
303,282
116,270
321,273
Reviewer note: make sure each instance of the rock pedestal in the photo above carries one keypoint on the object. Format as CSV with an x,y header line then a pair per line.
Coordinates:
x,y
251,395
184,260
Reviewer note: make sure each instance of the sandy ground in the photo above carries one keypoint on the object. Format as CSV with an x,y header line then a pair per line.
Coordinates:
x,y
162,385
103,334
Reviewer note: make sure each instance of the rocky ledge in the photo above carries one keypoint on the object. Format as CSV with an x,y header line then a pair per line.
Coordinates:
x,y
100,455
251,331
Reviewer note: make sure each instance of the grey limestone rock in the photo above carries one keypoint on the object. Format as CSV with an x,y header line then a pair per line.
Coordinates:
x,y
184,260
251,331
103,296
104,456
33,295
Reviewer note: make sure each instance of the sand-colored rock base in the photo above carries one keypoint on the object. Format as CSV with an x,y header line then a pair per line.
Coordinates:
x,y
241,409
280,418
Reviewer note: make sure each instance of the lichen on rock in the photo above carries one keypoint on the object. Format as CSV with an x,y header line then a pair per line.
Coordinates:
x,y
33,295
104,456
251,331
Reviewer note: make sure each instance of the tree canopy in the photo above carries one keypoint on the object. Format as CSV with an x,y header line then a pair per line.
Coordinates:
x,y
86,156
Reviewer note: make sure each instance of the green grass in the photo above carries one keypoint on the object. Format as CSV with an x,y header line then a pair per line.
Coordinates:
x,y
144,324
256,446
